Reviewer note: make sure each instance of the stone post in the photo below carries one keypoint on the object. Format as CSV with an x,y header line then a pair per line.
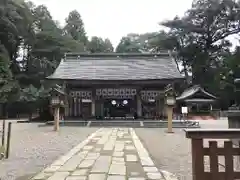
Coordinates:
x,y
169,115
170,102
56,118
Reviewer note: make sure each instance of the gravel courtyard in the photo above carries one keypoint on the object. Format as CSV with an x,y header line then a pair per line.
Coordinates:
x,y
33,148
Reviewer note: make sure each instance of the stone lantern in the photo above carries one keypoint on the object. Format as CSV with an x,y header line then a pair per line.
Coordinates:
x,y
170,101
57,101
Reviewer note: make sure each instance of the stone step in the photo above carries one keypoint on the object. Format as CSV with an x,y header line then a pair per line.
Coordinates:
x,y
115,124
127,123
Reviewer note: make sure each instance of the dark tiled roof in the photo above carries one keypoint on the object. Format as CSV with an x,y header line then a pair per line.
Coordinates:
x,y
188,93
117,67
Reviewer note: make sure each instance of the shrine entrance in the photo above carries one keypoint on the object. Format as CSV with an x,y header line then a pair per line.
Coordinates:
x,y
119,108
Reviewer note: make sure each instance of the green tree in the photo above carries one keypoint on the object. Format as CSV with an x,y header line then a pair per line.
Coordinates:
x,y
97,45
200,36
108,47
47,48
140,43
75,27
7,85
129,44
32,45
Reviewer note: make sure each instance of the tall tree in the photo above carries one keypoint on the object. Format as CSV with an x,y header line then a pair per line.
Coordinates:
x,y
75,27
47,48
129,44
97,45
200,36
108,45
7,84
139,43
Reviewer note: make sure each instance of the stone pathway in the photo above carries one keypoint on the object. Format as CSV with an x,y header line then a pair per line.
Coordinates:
x,y
108,154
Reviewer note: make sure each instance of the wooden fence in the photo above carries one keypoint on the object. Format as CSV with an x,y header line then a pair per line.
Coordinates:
x,y
229,151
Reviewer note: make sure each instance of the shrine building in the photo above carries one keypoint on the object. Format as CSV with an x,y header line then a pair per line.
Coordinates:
x,y
115,85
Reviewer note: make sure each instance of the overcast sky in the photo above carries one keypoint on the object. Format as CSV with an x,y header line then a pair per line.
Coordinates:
x,y
115,18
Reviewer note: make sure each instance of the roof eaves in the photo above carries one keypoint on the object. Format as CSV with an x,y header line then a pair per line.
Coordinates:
x,y
207,93
61,62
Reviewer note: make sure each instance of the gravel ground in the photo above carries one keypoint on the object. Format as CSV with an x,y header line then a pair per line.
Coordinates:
x,y
172,152
33,148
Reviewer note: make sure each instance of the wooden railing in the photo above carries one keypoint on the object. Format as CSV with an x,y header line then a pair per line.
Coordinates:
x,y
229,151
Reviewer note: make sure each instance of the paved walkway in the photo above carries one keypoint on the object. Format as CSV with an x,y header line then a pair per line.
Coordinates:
x,y
108,154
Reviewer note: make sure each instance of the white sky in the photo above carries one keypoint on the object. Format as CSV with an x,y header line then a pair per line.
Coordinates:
x,y
116,18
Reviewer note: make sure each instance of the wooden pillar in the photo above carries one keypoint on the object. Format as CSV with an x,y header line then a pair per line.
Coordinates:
x,y
75,106
170,114
93,106
158,108
79,107
66,107
139,105
56,118
70,102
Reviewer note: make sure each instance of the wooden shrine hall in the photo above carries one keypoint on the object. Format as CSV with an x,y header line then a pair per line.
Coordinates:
x,y
115,85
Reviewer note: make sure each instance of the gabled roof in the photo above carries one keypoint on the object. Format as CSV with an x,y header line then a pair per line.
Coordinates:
x,y
190,92
116,66
58,89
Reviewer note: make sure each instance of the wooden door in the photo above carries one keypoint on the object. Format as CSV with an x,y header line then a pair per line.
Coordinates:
x,y
86,110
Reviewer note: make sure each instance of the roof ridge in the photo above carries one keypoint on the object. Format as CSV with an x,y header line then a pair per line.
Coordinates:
x,y
116,53
73,56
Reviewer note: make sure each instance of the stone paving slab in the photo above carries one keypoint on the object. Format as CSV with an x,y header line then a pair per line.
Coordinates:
x,y
108,154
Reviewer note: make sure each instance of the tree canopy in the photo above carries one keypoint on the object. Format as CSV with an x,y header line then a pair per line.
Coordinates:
x,y
32,45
